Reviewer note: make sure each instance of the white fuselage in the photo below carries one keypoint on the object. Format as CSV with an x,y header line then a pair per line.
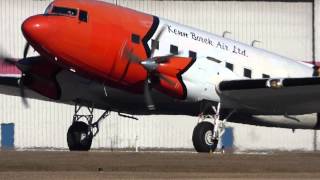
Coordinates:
x,y
246,61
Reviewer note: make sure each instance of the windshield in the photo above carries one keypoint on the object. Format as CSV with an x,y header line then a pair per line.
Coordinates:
x,y
48,9
64,11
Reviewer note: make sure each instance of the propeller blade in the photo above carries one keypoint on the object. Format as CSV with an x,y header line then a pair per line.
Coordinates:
x,y
131,57
6,59
164,27
164,59
147,96
169,81
157,39
22,93
26,50
128,54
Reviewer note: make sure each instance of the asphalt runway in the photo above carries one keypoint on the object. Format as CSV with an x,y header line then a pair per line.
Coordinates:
x,y
144,165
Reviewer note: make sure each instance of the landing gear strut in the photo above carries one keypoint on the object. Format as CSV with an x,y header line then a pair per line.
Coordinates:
x,y
83,129
207,134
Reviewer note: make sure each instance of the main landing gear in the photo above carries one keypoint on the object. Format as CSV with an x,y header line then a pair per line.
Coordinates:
x,y
83,129
210,129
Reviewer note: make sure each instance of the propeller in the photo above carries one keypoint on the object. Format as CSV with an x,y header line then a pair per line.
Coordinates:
x,y
26,50
147,95
22,93
150,65
11,61
23,75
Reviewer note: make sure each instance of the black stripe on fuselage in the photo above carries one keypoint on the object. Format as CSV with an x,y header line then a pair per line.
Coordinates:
x,y
179,76
149,35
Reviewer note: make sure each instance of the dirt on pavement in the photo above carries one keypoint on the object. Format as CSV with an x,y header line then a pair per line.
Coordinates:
x,y
155,165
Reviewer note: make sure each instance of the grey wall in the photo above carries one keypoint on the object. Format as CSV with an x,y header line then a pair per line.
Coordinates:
x,y
317,29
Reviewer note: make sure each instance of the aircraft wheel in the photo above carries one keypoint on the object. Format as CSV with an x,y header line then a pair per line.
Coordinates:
x,y
79,137
202,137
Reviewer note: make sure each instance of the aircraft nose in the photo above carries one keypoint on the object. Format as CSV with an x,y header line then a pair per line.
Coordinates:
x,y
36,29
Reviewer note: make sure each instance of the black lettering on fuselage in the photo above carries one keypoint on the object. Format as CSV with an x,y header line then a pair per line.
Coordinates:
x,y
177,32
201,39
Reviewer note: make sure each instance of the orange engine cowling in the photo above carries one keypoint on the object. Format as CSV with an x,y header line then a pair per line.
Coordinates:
x,y
172,71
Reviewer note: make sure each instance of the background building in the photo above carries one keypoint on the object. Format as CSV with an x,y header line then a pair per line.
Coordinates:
x,y
282,27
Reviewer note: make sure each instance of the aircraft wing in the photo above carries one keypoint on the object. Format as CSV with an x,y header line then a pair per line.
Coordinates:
x,y
9,85
271,96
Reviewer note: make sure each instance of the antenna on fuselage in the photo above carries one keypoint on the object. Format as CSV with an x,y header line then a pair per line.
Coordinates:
x,y
254,42
225,32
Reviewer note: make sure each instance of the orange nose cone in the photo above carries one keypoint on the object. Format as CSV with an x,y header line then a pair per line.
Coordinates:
x,y
36,29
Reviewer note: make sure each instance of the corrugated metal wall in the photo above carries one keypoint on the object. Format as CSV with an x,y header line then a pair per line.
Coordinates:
x,y
317,29
284,28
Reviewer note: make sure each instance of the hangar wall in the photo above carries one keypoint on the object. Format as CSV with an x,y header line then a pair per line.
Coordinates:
x,y
317,29
284,28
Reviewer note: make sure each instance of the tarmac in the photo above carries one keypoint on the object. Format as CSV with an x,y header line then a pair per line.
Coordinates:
x,y
156,165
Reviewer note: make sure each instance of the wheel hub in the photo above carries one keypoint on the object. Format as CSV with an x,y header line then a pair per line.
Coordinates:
x,y
208,137
83,136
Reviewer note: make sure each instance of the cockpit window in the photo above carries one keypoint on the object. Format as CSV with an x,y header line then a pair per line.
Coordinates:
x,y
83,16
48,9
64,11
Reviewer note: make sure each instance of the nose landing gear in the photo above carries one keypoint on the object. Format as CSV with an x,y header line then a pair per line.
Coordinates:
x,y
83,129
79,136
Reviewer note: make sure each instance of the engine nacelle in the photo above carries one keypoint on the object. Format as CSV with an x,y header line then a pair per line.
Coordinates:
x,y
40,76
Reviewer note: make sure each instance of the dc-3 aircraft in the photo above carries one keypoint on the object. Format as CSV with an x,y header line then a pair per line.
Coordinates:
x,y
93,54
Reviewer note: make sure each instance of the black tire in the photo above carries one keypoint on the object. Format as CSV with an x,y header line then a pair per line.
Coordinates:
x,y
75,139
200,137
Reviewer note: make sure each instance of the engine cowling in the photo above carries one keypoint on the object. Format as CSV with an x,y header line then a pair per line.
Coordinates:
x,y
39,74
172,70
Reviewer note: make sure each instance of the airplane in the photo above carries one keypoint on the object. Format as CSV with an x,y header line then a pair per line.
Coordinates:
x,y
94,54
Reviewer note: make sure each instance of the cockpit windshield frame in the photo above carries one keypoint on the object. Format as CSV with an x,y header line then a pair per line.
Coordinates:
x,y
53,10
48,9
64,11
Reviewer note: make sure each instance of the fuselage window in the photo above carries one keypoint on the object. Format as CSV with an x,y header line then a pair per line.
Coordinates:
x,y
154,44
64,11
135,38
193,55
247,73
265,76
229,66
213,59
174,49
83,16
